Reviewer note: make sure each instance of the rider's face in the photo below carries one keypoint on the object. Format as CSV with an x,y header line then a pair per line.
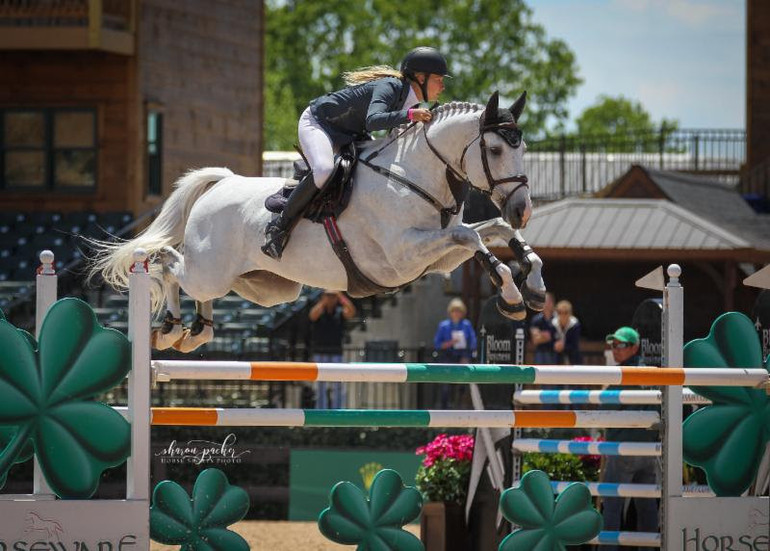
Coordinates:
x,y
435,87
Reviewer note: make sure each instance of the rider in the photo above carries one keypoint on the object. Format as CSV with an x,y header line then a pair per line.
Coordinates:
x,y
377,98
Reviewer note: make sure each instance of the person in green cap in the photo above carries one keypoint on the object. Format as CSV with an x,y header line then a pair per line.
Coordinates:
x,y
629,469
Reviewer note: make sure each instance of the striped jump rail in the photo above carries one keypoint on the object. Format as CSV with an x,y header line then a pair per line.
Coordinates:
x,y
268,417
610,489
630,539
538,445
638,397
167,370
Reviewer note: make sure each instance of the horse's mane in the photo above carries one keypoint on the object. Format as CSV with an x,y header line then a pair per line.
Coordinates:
x,y
440,113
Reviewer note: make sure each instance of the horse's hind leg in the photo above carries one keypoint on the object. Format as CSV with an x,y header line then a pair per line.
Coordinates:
x,y
171,329
202,329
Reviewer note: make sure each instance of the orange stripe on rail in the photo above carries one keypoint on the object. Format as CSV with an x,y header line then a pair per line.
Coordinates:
x,y
652,376
283,371
546,419
184,416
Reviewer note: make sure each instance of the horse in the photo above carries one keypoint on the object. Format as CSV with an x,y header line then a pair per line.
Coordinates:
x,y
402,222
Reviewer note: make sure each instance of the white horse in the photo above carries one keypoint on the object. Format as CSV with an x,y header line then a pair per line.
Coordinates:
x,y
207,237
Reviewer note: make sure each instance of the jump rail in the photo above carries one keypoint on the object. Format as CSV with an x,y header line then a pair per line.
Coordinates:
x,y
167,370
637,449
604,397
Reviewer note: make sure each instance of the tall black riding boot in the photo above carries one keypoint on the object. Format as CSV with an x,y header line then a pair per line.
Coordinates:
x,y
279,228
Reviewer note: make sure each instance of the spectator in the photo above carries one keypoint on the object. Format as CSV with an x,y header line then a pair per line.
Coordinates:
x,y
567,341
543,333
328,317
455,339
629,469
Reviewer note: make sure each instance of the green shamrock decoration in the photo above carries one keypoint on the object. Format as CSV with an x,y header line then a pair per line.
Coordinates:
x,y
199,523
727,439
8,432
46,398
548,525
373,524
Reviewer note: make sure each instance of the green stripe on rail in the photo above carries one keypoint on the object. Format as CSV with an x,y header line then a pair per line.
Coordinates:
x,y
366,418
472,373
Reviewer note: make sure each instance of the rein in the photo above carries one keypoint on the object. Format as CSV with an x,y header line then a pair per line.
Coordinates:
x,y
459,184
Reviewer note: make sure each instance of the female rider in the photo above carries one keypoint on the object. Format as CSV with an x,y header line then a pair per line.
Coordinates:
x,y
377,98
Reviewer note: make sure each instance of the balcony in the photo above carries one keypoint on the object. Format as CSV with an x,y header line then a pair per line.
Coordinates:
x,y
104,25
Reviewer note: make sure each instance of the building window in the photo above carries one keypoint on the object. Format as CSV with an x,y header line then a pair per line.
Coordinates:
x,y
154,153
47,148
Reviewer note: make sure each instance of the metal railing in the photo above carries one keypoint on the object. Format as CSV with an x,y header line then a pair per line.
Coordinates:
x,y
566,166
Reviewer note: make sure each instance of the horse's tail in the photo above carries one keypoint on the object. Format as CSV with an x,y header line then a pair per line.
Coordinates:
x,y
113,260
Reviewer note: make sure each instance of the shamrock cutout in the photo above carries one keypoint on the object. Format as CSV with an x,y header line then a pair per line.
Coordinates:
x,y
46,398
728,438
547,525
374,524
199,523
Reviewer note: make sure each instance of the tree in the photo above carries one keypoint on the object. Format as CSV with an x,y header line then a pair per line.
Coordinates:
x,y
619,116
622,125
490,45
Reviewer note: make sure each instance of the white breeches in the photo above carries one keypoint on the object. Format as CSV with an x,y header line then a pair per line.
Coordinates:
x,y
317,147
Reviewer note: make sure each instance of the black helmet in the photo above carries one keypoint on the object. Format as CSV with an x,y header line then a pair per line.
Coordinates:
x,y
424,60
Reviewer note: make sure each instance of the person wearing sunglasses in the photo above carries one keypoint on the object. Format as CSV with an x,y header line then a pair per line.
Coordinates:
x,y
629,469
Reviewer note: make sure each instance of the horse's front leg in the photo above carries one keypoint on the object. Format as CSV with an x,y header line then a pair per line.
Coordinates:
x,y
530,276
438,245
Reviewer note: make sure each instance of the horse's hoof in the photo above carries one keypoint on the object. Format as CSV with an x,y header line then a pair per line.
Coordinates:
x,y
163,341
516,312
190,342
535,300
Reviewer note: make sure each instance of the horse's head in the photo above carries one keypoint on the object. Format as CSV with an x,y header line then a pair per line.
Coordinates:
x,y
496,166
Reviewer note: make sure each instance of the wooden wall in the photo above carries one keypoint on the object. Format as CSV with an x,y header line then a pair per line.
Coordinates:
x,y
85,79
758,81
201,65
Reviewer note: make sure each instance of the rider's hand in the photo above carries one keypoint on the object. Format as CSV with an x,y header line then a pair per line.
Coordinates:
x,y
421,115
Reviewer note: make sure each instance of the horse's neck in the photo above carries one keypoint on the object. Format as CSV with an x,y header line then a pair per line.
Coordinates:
x,y
449,135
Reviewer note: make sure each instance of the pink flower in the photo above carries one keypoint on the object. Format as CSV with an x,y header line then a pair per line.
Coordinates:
x,y
589,460
459,448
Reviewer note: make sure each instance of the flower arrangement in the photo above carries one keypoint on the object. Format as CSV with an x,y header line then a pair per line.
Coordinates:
x,y
446,468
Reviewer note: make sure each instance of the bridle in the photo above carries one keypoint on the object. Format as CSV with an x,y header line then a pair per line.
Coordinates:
x,y
493,182
458,180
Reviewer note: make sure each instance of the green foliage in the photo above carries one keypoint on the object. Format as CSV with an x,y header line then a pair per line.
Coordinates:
x,y
490,45
621,125
560,466
374,523
445,480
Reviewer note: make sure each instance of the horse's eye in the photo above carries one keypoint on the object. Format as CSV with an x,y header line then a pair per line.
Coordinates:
x,y
496,150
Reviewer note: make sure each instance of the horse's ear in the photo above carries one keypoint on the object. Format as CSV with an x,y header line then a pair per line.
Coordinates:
x,y
518,106
490,112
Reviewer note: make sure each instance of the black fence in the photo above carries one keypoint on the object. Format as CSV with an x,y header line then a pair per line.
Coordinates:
x,y
566,166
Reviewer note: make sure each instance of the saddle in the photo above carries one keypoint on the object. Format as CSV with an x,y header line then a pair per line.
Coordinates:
x,y
332,200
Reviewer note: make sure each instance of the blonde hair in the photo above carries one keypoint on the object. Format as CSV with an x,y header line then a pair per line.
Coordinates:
x,y
456,304
367,74
564,304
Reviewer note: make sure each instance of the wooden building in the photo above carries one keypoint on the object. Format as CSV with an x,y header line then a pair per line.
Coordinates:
x,y
104,103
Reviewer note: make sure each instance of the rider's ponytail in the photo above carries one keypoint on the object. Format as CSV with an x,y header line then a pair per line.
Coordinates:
x,y
366,74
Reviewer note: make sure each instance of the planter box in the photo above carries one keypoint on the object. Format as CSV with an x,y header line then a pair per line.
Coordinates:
x,y
442,527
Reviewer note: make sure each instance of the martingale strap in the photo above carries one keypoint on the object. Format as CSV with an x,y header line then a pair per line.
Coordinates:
x,y
359,286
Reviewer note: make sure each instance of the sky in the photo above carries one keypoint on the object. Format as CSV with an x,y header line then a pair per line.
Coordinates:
x,y
682,59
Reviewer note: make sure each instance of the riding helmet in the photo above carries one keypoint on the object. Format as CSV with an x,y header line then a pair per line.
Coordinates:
x,y
424,60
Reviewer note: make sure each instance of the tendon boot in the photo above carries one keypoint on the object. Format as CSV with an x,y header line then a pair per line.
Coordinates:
x,y
279,228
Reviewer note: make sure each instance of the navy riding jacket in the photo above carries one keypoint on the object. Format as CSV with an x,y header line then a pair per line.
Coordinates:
x,y
348,115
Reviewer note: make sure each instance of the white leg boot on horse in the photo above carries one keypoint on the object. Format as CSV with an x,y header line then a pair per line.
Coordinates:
x,y
531,266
